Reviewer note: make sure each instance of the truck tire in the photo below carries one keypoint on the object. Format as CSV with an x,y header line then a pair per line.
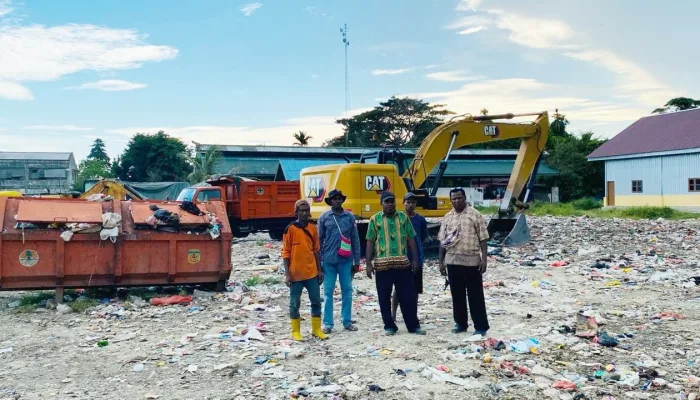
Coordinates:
x,y
276,234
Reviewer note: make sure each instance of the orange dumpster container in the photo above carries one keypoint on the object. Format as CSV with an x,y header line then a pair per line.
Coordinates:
x,y
34,255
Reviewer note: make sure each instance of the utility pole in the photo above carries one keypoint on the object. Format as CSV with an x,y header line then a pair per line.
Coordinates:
x,y
346,43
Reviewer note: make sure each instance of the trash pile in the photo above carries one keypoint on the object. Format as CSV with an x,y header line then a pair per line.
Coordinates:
x,y
167,220
590,309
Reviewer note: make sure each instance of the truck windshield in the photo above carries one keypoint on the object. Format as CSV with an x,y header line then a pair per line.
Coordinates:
x,y
186,194
209,195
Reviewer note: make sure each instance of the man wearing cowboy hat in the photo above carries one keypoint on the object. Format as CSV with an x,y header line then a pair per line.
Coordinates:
x,y
340,255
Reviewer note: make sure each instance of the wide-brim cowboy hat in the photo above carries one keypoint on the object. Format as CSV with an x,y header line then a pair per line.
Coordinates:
x,y
334,193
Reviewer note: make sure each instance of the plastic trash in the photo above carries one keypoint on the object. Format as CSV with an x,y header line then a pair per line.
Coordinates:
x,y
564,385
606,340
67,236
526,346
171,300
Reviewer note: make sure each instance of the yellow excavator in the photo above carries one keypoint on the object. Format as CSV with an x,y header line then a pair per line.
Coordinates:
x,y
114,188
385,170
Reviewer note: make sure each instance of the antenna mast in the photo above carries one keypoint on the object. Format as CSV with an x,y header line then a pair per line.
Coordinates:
x,y
346,43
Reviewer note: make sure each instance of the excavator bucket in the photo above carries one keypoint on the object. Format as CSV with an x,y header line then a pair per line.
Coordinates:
x,y
509,231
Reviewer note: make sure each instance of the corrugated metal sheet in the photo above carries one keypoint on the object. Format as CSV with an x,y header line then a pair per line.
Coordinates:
x,y
664,132
487,168
11,155
347,151
623,172
247,166
292,168
677,170
659,175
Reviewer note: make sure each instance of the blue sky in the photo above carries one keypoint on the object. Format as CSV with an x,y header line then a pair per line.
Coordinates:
x,y
241,72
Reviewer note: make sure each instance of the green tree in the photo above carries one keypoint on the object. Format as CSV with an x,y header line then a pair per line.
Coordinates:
x,y
578,178
678,104
98,152
397,122
154,158
302,139
91,169
96,166
204,165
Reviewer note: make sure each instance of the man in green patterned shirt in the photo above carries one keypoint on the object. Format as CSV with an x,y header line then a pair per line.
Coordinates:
x,y
391,234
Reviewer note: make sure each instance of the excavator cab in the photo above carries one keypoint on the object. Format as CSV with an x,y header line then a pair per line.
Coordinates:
x,y
424,200
363,182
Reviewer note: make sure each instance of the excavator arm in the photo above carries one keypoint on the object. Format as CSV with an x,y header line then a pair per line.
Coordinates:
x,y
437,146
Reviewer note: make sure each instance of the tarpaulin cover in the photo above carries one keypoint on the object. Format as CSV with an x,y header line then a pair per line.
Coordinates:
x,y
158,190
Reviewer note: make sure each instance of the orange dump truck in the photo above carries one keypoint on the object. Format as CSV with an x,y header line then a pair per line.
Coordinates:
x,y
74,243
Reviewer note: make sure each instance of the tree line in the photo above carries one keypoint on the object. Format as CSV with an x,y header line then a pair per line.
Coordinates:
x,y
405,122
148,158
401,122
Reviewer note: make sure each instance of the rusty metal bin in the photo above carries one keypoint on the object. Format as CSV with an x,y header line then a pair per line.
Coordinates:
x,y
36,257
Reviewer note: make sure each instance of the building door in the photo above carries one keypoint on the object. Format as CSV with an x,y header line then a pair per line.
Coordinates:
x,y
611,193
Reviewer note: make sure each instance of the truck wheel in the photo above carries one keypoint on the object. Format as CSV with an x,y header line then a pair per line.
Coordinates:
x,y
276,234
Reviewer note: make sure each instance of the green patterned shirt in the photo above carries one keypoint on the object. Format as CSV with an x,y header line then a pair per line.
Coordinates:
x,y
390,234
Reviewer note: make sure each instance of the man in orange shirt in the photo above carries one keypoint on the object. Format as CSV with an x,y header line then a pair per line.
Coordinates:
x,y
302,265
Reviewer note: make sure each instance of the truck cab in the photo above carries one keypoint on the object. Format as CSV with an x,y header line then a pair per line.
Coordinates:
x,y
251,206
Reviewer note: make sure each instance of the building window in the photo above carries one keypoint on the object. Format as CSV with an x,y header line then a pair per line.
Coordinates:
x,y
694,185
636,186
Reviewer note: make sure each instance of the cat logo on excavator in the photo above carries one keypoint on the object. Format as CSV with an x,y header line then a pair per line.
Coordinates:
x,y
315,189
376,183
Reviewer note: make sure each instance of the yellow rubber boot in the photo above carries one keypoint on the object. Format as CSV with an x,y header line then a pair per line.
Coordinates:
x,y
316,328
296,329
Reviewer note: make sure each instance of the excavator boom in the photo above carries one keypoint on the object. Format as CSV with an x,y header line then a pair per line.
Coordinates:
x,y
479,129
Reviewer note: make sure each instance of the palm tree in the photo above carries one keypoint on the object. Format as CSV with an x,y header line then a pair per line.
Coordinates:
x,y
204,165
302,139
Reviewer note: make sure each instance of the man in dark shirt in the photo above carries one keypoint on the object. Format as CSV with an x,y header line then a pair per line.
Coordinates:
x,y
420,225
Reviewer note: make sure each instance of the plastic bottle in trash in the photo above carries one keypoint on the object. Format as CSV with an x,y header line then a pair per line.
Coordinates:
x,y
525,346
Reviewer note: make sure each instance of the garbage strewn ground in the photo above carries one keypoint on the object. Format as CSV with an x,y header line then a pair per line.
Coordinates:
x,y
590,309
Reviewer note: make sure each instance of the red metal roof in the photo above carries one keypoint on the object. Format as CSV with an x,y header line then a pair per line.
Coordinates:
x,y
655,133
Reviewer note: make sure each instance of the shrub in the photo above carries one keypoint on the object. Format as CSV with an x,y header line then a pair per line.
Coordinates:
x,y
587,203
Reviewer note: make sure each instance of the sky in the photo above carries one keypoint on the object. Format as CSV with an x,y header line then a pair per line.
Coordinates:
x,y
253,73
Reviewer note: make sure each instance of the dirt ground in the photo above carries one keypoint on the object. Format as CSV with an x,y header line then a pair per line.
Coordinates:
x,y
634,279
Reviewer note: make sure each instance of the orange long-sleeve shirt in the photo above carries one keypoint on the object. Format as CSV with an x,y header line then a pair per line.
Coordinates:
x,y
299,248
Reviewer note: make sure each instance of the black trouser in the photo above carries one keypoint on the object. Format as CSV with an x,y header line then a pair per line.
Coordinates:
x,y
402,280
466,282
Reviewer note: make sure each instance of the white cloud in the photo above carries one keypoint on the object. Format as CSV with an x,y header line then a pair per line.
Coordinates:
x,y
530,32
110,85
250,9
635,80
5,7
14,91
453,76
501,96
378,72
40,53
321,128
470,21
635,83
66,128
536,32
468,5
469,31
